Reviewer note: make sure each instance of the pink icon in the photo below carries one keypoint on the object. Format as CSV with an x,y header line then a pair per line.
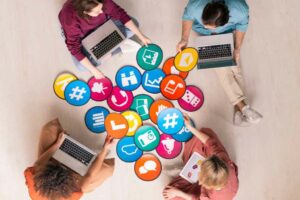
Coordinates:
x,y
100,88
168,147
192,99
120,100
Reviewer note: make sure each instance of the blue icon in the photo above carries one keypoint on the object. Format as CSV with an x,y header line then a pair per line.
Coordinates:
x,y
170,121
94,119
128,78
77,93
127,150
184,134
151,80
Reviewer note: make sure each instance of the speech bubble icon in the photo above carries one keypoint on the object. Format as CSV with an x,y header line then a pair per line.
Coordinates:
x,y
143,170
150,165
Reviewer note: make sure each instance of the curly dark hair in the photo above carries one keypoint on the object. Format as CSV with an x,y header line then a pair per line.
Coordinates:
x,y
85,5
54,181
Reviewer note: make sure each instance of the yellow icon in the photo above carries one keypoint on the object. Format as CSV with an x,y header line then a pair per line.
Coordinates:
x,y
61,83
186,60
134,122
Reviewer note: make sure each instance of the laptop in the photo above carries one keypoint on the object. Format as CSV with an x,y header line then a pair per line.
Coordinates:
x,y
215,51
75,155
104,40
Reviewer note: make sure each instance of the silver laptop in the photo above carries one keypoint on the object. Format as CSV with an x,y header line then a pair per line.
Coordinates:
x,y
215,51
75,155
103,40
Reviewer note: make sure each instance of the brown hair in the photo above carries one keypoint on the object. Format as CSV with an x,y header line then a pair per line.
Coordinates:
x,y
85,5
54,181
214,173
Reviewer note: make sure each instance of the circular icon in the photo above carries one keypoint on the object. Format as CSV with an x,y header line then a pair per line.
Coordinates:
x,y
192,99
186,60
120,100
77,93
172,87
100,88
116,125
134,121
61,82
128,78
151,80
170,121
168,147
157,107
94,119
148,167
146,138
127,150
149,57
141,104
169,69
184,134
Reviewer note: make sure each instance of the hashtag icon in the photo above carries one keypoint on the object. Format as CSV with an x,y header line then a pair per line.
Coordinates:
x,y
170,120
77,93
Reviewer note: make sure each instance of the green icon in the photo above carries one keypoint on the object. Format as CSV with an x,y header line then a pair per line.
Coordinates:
x,y
141,104
147,138
149,57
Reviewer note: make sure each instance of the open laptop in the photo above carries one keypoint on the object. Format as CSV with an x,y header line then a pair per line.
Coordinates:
x,y
103,41
75,155
215,51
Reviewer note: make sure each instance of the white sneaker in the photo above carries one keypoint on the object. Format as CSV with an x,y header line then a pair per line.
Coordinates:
x,y
240,120
251,115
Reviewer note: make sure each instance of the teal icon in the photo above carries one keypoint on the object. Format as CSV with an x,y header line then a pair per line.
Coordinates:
x,y
147,138
141,104
149,57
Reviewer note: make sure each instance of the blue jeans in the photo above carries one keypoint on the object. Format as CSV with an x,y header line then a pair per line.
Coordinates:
x,y
126,32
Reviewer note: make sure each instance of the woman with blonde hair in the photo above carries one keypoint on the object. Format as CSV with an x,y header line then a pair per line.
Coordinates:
x,y
218,179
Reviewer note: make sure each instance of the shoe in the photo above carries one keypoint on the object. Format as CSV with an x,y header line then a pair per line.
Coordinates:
x,y
240,120
251,115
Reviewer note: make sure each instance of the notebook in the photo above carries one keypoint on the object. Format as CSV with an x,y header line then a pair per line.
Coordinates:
x,y
191,170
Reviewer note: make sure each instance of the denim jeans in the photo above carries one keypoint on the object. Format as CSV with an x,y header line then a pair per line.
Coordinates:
x,y
126,32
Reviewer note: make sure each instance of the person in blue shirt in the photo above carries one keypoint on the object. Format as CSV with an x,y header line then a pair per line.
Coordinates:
x,y
208,17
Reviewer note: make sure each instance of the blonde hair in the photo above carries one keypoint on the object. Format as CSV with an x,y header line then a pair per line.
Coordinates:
x,y
214,173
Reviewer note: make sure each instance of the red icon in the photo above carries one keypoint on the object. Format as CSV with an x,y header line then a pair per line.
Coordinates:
x,y
120,100
100,88
172,87
169,68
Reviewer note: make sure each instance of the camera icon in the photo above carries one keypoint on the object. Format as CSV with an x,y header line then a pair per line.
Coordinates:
x,y
147,138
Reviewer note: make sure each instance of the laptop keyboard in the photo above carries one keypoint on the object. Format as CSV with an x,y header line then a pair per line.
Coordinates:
x,y
215,51
76,152
106,44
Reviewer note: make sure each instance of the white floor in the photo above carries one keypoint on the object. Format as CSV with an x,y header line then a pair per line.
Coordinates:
x,y
33,53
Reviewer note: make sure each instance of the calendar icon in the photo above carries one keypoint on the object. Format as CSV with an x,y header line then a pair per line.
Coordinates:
x,y
191,98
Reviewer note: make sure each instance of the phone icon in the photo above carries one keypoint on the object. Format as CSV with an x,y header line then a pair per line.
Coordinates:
x,y
115,100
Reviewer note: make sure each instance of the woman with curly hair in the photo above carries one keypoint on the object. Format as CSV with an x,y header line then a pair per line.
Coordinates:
x,y
50,180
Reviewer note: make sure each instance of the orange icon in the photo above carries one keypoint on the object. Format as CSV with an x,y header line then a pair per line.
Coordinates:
x,y
169,68
148,167
172,87
157,107
116,125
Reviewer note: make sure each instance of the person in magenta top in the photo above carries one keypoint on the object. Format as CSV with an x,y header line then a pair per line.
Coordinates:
x,y
78,18
218,179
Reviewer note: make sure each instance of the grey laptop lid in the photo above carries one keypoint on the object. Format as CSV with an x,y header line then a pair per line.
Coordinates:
x,y
74,155
103,40
215,51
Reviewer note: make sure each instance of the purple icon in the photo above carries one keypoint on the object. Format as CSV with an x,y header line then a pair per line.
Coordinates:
x,y
192,99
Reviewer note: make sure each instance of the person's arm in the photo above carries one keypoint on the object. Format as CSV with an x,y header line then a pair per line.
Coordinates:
x,y
238,40
45,157
91,68
186,30
89,180
200,135
130,25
